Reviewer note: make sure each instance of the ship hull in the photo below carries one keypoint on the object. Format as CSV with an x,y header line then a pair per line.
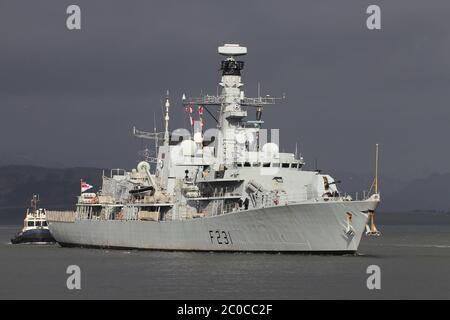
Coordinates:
x,y
33,236
307,227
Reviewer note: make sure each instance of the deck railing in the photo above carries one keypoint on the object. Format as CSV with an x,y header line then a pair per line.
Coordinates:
x,y
61,216
275,199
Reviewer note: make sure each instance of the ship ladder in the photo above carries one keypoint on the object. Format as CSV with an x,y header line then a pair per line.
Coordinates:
x,y
371,229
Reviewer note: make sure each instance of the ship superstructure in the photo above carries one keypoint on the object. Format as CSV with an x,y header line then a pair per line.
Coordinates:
x,y
222,189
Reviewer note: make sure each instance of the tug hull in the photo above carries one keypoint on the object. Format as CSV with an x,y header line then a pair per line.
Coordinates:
x,y
33,236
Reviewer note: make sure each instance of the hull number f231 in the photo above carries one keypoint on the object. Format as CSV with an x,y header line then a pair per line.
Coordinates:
x,y
220,237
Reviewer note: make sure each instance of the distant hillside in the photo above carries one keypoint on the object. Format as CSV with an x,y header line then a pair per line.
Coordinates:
x,y
352,183
428,194
431,193
57,188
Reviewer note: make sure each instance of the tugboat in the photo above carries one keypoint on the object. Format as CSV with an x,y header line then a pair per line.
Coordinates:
x,y
35,229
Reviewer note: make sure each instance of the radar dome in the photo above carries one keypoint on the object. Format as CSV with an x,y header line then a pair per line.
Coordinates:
x,y
241,138
270,149
198,137
188,148
232,49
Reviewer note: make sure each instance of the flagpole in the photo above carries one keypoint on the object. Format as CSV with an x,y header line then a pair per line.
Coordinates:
x,y
376,169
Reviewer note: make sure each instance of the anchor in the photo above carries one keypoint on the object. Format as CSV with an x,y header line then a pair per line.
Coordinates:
x,y
371,229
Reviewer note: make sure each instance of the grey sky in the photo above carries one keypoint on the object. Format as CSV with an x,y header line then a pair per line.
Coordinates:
x,y
70,98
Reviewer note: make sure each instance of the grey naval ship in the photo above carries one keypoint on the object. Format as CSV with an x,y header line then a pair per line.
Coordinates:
x,y
222,189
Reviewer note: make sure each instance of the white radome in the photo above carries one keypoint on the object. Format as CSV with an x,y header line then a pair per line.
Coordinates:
x,y
198,137
188,148
232,50
270,149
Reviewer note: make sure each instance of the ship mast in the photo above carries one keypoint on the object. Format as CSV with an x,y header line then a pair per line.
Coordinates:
x,y
166,119
156,136
231,100
34,203
374,185
376,169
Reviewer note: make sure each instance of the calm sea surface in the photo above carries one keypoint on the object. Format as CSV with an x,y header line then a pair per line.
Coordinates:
x,y
413,254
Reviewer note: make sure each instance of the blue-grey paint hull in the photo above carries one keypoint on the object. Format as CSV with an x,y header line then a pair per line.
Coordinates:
x,y
308,227
33,236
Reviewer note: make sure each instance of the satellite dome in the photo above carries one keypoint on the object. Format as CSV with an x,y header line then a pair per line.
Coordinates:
x,y
232,49
188,148
241,138
270,149
198,137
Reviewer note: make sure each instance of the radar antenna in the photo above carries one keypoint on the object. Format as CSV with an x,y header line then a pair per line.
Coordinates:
x,y
146,154
231,67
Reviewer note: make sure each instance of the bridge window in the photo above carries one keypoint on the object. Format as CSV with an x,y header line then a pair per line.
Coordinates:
x,y
285,165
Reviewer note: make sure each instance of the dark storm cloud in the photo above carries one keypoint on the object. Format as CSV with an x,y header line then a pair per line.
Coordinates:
x,y
71,97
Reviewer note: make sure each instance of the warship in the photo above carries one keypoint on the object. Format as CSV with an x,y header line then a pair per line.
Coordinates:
x,y
222,189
